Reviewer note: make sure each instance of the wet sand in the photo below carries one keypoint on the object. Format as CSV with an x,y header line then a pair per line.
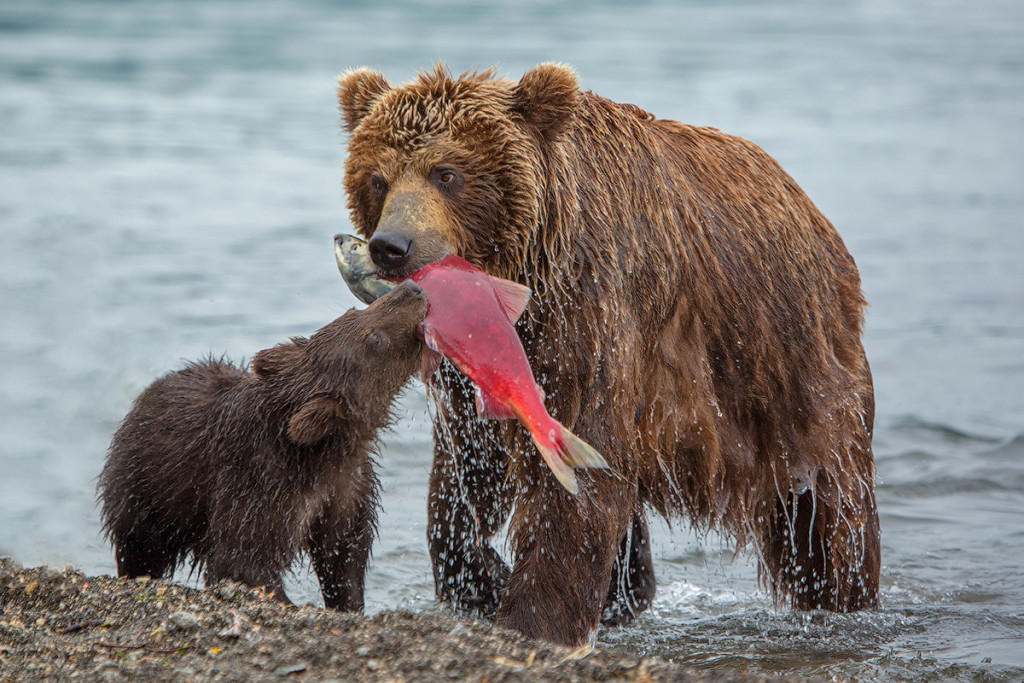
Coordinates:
x,y
60,624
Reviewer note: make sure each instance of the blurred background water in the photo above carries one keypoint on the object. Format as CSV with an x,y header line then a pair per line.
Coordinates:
x,y
170,182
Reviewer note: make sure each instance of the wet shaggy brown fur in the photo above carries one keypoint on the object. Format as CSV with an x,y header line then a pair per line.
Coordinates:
x,y
242,470
695,318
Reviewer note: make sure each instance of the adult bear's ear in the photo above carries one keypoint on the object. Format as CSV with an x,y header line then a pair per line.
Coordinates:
x,y
358,90
546,97
316,419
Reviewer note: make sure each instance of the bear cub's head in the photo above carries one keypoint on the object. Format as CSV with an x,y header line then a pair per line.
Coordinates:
x,y
452,165
345,376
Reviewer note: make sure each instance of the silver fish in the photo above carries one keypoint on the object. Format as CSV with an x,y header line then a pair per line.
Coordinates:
x,y
353,257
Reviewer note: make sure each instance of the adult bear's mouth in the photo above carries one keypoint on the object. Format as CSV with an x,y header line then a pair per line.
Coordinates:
x,y
364,277
392,251
398,253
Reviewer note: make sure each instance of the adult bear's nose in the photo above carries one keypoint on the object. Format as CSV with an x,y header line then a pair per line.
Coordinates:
x,y
391,251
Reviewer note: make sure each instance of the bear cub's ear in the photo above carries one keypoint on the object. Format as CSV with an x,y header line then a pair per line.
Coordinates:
x,y
272,361
358,90
546,97
317,419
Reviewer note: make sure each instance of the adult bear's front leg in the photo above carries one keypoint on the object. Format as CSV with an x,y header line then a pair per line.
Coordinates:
x,y
565,548
468,502
633,584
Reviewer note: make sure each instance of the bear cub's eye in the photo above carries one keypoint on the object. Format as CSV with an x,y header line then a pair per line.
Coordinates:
x,y
446,178
376,340
378,185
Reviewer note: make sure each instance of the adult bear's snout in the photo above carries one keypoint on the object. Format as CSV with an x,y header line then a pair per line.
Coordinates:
x,y
412,229
391,251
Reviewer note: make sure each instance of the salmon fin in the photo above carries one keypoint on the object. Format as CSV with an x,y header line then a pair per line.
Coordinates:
x,y
490,408
563,473
430,338
571,453
579,453
430,358
540,390
430,361
512,296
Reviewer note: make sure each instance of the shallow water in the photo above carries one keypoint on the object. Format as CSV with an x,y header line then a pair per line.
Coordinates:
x,y
170,182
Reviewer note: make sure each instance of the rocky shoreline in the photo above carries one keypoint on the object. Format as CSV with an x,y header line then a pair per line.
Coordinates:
x,y
60,625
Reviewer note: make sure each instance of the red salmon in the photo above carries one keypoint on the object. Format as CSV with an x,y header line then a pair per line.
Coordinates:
x,y
470,320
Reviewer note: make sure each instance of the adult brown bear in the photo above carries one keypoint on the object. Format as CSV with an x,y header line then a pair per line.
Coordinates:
x,y
695,318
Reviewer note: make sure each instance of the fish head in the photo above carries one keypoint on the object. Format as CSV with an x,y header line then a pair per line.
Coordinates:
x,y
453,165
359,272
348,248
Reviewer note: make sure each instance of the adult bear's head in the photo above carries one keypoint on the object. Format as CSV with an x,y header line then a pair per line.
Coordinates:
x,y
452,165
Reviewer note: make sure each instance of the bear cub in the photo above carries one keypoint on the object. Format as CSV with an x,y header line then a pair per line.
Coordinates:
x,y
242,470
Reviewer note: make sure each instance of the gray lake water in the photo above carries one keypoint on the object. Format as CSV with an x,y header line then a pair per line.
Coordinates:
x,y
170,183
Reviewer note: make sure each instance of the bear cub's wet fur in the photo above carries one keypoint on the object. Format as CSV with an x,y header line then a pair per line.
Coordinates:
x,y
242,470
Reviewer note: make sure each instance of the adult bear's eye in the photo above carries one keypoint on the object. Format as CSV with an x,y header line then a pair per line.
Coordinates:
x,y
446,178
378,185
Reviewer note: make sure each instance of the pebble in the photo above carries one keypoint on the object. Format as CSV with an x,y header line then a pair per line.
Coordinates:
x,y
225,591
183,621
109,672
293,669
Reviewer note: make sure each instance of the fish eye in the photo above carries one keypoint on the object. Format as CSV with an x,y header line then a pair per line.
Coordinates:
x,y
378,185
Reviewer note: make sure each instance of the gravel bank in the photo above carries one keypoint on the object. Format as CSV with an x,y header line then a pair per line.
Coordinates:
x,y
60,624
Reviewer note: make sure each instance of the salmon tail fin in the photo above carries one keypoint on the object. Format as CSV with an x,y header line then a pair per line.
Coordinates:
x,y
580,453
566,477
570,453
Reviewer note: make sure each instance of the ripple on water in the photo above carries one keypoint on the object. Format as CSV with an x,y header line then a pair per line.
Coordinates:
x,y
925,430
711,628
715,629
